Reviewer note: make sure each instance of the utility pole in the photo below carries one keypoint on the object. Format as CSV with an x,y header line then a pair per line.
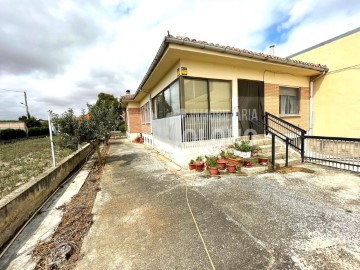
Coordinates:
x,y
26,105
51,140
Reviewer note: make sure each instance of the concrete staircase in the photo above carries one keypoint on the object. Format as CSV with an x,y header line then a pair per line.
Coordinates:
x,y
264,143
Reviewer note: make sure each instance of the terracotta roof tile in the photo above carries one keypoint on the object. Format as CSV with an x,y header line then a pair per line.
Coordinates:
x,y
128,97
266,56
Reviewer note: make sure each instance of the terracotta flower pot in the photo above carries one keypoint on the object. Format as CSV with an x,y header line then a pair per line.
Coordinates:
x,y
213,171
263,161
237,160
231,167
199,166
247,163
221,163
192,166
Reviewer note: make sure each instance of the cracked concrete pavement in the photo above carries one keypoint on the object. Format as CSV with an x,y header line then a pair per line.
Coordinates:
x,y
295,220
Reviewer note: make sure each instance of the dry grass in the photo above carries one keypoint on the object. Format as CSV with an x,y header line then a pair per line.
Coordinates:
x,y
62,251
24,160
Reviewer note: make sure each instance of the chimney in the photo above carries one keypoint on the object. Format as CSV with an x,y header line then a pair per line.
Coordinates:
x,y
272,47
128,92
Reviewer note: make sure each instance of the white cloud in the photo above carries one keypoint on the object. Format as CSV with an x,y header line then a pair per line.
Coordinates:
x,y
65,52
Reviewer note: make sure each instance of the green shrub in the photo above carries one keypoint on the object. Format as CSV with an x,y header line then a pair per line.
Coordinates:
x,y
11,134
122,127
38,131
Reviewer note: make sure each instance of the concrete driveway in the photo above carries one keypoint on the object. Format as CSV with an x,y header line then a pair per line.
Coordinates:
x,y
294,220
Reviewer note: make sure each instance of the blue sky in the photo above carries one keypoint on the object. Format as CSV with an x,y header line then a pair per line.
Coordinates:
x,y
63,53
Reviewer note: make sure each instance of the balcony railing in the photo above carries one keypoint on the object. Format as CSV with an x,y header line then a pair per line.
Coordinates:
x,y
335,152
199,127
193,127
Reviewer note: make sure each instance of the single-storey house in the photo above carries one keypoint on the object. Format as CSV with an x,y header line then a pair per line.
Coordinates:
x,y
199,95
336,95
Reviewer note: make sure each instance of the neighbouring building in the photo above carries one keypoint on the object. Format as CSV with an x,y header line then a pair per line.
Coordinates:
x,y
336,93
13,125
202,95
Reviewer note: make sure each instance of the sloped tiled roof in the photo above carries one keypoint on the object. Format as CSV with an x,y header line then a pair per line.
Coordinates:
x,y
186,41
246,53
128,97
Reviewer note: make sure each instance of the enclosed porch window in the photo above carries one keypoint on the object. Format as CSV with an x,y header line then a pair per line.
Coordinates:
x,y
205,95
198,110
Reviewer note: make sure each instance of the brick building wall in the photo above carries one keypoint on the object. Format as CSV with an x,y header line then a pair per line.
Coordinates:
x,y
134,118
271,100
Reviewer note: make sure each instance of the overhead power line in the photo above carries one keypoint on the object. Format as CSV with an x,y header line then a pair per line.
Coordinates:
x,y
12,90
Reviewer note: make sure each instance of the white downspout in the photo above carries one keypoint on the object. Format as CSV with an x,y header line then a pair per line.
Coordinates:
x,y
311,107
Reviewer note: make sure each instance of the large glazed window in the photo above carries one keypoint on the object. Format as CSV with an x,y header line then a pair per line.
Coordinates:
x,y
159,106
220,96
145,113
167,102
289,102
196,96
175,97
204,96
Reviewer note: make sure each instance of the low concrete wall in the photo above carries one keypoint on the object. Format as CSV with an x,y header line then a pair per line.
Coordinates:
x,y
17,207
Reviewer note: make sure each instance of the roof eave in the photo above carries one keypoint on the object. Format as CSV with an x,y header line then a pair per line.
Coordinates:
x,y
227,50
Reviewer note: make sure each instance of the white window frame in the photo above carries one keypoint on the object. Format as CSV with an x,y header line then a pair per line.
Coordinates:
x,y
283,112
145,113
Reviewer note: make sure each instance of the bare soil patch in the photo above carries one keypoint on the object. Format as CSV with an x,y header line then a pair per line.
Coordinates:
x,y
294,169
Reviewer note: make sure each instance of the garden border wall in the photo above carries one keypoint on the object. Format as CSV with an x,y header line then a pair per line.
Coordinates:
x,y
17,207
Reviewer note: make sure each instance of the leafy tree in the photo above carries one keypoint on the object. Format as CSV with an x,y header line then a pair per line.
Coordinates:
x,y
31,122
68,126
93,129
108,100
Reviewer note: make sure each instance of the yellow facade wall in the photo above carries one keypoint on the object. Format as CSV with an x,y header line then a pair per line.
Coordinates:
x,y
271,96
337,94
163,83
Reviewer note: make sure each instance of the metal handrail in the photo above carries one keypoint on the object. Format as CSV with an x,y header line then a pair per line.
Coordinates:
x,y
285,122
333,138
301,135
273,135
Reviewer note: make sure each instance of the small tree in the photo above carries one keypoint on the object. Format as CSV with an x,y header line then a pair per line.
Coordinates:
x,y
93,129
98,126
69,128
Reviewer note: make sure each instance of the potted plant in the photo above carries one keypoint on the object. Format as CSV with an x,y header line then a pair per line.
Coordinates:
x,y
211,162
199,164
243,150
263,161
230,157
255,150
231,167
247,163
192,165
221,161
